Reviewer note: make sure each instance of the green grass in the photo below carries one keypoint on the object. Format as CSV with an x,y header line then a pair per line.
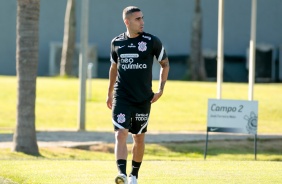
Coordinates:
x,y
227,161
152,172
183,107
267,150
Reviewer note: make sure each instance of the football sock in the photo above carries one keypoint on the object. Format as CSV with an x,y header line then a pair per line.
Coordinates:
x,y
135,168
121,164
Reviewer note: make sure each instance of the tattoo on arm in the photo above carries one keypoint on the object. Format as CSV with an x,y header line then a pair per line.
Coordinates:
x,y
164,63
164,72
162,85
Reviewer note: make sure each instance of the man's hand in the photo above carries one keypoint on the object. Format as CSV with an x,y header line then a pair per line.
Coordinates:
x,y
109,101
156,96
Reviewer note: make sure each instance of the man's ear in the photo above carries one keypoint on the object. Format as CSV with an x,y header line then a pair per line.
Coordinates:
x,y
126,22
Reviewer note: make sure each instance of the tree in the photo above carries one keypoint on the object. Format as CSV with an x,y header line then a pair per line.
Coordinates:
x,y
69,40
196,61
26,65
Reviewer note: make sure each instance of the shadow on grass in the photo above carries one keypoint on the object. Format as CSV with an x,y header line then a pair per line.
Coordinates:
x,y
231,147
180,150
174,146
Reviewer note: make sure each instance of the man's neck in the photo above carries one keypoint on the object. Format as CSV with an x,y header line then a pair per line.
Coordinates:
x,y
131,35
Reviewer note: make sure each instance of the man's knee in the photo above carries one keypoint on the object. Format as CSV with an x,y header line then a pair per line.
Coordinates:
x,y
121,134
139,138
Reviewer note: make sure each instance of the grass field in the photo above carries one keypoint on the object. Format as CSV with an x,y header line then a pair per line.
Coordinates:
x,y
228,161
153,172
184,104
183,107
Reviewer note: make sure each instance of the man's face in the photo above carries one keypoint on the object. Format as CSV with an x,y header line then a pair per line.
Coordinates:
x,y
135,22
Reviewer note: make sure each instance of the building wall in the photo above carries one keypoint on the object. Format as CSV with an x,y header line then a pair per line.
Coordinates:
x,y
169,20
7,37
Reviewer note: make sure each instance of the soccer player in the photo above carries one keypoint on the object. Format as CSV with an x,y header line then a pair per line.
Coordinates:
x,y
130,93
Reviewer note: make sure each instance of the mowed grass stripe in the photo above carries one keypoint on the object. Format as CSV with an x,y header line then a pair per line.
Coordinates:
x,y
152,172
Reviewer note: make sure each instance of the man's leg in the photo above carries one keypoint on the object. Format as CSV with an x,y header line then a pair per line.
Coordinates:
x,y
121,149
137,152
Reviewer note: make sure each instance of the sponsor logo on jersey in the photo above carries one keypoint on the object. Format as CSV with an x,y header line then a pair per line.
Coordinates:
x,y
129,55
147,37
136,66
131,46
121,118
142,46
127,62
141,117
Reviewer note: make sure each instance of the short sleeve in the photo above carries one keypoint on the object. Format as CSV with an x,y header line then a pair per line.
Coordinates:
x,y
159,50
113,53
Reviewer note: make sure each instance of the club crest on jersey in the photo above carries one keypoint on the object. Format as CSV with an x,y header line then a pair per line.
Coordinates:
x,y
142,46
121,118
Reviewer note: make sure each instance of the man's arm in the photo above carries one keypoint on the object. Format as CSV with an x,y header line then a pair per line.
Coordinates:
x,y
163,78
112,80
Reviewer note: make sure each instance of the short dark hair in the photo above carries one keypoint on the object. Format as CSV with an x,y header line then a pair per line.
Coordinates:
x,y
129,10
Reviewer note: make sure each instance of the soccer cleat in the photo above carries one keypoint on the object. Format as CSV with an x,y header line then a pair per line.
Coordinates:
x,y
132,180
121,179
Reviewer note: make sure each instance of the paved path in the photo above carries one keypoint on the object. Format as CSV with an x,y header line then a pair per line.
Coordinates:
x,y
74,138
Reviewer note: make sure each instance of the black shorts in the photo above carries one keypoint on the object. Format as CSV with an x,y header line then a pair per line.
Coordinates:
x,y
133,117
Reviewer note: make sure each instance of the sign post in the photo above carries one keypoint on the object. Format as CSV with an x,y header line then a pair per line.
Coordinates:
x,y
83,64
234,116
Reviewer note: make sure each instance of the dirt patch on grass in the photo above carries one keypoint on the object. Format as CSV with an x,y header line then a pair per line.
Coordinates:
x,y
6,181
99,147
265,145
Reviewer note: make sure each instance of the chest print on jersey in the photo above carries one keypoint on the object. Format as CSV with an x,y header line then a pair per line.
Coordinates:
x,y
142,46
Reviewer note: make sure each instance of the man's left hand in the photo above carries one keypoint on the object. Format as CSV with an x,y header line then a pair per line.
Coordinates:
x,y
156,96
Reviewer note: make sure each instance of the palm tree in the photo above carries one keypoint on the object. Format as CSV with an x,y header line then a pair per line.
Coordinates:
x,y
196,61
69,40
27,60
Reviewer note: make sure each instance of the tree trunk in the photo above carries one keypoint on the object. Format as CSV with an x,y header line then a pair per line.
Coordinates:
x,y
196,61
27,60
69,40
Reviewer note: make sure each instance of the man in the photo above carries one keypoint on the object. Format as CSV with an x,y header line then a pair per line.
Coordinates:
x,y
130,92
